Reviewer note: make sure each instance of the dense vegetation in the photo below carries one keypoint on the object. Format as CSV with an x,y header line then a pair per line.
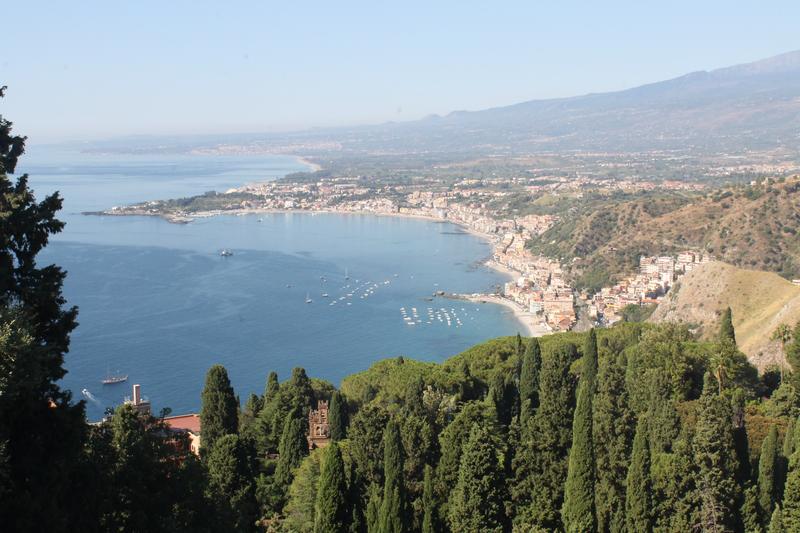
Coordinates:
x,y
750,226
635,428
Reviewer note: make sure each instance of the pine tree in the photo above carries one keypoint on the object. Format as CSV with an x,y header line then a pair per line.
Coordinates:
x,y
332,514
219,412
373,515
540,467
612,431
430,518
783,458
519,345
478,497
578,511
292,449
767,467
299,392
529,379
726,331
715,456
231,482
393,511
639,497
738,398
337,417
776,523
35,328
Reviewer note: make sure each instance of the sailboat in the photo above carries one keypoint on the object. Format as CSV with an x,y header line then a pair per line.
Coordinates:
x,y
308,298
346,275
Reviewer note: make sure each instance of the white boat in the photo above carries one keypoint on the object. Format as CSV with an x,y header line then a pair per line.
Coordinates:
x,y
226,253
324,294
308,298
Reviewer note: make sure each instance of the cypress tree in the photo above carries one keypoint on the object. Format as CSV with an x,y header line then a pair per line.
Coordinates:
x,y
639,497
529,379
499,399
219,412
478,497
272,388
293,447
299,392
726,331
715,456
776,524
337,417
767,466
540,467
519,345
578,511
783,458
740,437
612,431
393,511
231,483
751,512
791,493
373,516
430,518
331,512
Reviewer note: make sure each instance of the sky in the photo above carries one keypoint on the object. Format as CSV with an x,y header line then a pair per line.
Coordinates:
x,y
99,69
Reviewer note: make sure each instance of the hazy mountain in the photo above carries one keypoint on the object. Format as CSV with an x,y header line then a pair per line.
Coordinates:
x,y
754,105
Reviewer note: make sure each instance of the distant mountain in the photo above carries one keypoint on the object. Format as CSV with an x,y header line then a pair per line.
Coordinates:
x,y
754,105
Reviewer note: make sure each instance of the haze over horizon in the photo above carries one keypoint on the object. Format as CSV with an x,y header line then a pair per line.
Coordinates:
x,y
181,68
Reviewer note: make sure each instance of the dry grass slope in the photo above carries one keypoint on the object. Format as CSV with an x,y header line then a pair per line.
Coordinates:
x,y
760,302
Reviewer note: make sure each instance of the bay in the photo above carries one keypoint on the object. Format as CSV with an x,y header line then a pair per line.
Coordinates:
x,y
158,302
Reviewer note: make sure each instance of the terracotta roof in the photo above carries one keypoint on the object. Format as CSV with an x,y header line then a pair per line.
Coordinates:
x,y
188,422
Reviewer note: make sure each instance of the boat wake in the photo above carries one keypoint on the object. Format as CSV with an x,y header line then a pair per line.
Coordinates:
x,y
89,396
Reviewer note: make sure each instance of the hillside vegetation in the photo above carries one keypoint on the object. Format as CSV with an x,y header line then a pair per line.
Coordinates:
x,y
755,227
760,302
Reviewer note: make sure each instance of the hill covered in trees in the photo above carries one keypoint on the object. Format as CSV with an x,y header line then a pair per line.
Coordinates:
x,y
754,226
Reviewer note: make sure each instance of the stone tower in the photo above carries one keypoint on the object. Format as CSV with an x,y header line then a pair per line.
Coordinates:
x,y
319,431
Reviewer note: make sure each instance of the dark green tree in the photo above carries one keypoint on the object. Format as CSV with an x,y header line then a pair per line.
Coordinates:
x,y
612,430
338,417
366,443
738,398
791,492
501,399
715,455
479,495
41,431
430,520
726,331
219,410
519,345
291,451
529,380
231,483
332,513
578,511
272,388
752,519
639,497
393,516
767,470
540,467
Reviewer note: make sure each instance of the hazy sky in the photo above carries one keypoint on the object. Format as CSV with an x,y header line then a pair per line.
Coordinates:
x,y
90,69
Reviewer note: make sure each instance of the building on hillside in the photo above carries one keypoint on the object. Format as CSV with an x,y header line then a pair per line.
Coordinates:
x,y
189,425
319,431
139,402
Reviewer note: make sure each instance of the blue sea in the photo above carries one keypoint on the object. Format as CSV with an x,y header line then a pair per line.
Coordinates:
x,y
157,301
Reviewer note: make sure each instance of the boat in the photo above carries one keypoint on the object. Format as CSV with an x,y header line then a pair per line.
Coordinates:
x,y
112,379
308,298
346,275
226,253
324,294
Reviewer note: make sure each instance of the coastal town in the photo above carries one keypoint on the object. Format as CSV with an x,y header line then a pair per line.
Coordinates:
x,y
539,291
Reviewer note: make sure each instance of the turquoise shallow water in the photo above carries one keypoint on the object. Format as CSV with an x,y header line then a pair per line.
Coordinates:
x,y
157,301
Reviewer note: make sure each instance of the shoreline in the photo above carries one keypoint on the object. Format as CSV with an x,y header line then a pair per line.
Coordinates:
x,y
530,323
